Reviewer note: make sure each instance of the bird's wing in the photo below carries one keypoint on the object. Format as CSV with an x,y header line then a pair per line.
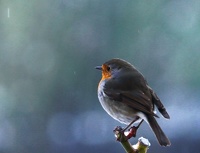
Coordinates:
x,y
136,99
159,104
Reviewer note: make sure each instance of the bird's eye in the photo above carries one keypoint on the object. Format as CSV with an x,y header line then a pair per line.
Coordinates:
x,y
108,68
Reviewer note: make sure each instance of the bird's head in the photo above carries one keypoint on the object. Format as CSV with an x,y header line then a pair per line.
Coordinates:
x,y
113,68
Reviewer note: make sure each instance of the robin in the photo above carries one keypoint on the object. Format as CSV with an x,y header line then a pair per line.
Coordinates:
x,y
125,95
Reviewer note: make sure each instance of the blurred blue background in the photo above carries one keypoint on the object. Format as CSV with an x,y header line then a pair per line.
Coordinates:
x,y
48,51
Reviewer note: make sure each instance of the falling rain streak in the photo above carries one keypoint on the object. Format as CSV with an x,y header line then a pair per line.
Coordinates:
x,y
8,12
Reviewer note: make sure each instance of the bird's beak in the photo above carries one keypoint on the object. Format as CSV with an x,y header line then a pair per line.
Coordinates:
x,y
98,67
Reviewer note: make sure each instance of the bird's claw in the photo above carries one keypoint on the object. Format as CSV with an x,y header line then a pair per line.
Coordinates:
x,y
132,132
120,133
118,128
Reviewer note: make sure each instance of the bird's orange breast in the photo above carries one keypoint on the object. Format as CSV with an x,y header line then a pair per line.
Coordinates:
x,y
106,74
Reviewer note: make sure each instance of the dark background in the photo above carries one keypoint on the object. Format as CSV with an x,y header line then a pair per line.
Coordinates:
x,y
48,84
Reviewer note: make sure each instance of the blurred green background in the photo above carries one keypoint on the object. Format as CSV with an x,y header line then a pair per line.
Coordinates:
x,y
48,84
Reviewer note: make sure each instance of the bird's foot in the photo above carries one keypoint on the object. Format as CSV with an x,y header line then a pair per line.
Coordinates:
x,y
132,132
119,134
122,135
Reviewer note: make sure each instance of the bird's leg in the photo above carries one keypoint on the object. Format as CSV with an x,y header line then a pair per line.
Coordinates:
x,y
133,130
131,133
130,124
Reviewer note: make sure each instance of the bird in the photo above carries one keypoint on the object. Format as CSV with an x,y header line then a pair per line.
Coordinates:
x,y
126,96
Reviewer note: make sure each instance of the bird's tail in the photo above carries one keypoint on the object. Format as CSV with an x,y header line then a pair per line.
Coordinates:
x,y
160,135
